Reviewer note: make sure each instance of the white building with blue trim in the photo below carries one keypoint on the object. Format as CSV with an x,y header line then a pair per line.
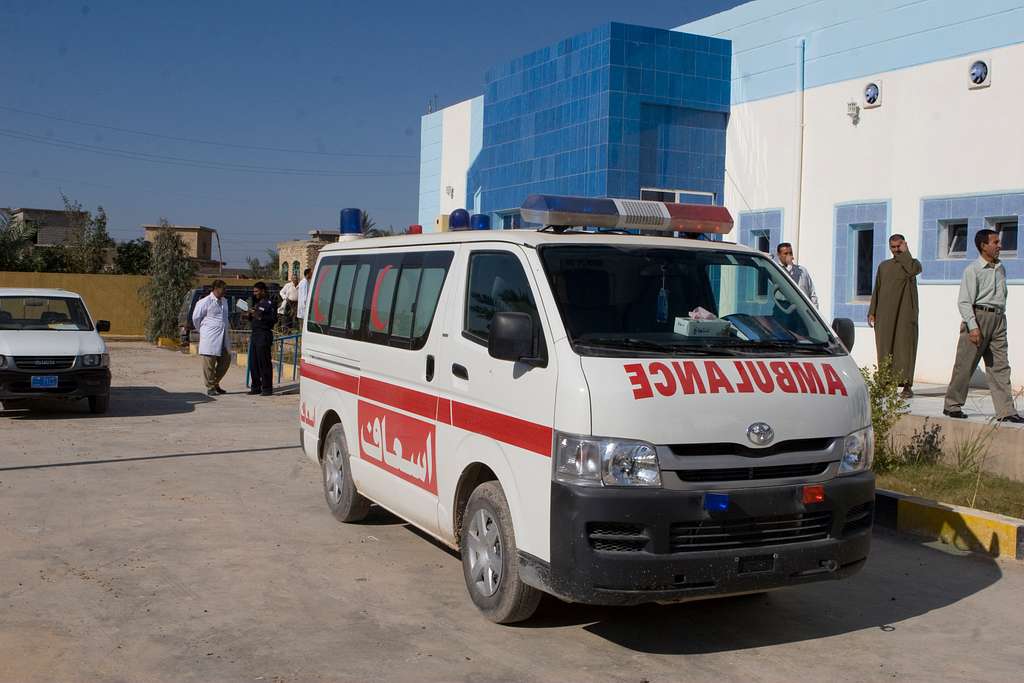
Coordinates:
x,y
846,122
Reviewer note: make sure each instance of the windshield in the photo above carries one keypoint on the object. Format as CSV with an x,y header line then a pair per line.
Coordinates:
x,y
43,313
661,300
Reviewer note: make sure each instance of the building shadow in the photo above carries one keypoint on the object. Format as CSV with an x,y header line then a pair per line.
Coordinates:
x,y
902,579
137,401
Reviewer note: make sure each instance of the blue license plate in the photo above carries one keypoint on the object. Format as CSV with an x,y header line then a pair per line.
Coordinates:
x,y
44,381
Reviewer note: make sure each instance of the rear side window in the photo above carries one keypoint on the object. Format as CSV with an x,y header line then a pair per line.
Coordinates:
x,y
382,298
323,290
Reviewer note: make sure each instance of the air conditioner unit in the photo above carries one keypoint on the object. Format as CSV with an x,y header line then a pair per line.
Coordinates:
x,y
979,73
442,222
871,95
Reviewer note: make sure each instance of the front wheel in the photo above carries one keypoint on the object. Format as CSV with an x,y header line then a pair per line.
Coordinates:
x,y
490,559
346,504
99,404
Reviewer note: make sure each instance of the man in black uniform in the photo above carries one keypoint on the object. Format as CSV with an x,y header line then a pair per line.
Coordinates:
x,y
264,317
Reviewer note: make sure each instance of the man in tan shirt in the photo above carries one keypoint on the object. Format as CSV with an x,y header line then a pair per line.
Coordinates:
x,y
982,305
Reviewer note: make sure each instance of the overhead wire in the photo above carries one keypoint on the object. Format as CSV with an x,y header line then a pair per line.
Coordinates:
x,y
195,163
198,141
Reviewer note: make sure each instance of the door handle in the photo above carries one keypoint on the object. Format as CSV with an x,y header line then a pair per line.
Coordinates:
x,y
460,371
430,368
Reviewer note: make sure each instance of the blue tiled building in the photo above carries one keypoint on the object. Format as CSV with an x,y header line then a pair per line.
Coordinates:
x,y
610,112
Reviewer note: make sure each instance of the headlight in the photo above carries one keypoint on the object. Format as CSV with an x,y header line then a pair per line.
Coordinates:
x,y
95,360
589,461
858,451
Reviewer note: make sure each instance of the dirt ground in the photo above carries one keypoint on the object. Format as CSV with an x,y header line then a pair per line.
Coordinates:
x,y
185,539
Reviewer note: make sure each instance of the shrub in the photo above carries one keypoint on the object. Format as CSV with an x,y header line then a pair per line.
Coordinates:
x,y
925,446
172,274
883,385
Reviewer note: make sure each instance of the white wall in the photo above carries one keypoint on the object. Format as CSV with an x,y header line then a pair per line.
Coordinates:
x,y
931,137
455,159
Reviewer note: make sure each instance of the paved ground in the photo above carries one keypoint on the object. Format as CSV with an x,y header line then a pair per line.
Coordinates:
x,y
929,400
182,539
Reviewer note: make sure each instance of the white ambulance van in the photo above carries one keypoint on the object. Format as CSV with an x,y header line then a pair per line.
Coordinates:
x,y
607,417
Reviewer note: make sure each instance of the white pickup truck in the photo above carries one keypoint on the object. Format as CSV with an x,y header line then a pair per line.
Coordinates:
x,y
51,348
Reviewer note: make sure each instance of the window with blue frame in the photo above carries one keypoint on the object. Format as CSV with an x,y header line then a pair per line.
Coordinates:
x,y
861,243
948,227
864,260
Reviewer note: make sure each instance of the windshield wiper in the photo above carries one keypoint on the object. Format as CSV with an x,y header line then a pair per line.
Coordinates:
x,y
778,345
635,344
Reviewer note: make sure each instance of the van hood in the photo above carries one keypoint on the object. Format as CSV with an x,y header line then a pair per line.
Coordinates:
x,y
715,400
50,343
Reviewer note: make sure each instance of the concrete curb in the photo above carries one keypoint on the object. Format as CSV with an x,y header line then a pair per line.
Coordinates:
x,y
964,528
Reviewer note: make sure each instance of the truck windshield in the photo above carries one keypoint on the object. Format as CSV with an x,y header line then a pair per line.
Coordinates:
x,y
656,301
43,313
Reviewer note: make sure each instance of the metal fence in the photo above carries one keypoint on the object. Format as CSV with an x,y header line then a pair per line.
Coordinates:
x,y
285,353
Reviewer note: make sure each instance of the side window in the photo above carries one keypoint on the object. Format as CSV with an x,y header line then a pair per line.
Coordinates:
x,y
497,283
355,310
342,297
384,281
323,291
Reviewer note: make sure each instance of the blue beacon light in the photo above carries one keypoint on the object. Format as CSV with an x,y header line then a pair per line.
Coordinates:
x,y
351,221
458,219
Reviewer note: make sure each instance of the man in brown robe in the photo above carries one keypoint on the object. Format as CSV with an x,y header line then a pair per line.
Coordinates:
x,y
894,310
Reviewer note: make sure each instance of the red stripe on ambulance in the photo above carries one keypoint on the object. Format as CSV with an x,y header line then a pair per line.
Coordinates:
x,y
748,377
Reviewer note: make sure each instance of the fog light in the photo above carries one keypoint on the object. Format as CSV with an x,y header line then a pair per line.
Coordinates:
x,y
814,494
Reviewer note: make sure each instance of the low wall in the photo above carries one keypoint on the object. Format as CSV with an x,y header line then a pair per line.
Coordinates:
x,y
109,297
1005,453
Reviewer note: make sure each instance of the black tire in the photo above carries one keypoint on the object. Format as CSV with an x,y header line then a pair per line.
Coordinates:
x,y
99,404
345,502
504,599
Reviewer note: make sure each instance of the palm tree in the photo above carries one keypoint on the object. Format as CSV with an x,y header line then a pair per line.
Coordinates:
x,y
369,228
16,242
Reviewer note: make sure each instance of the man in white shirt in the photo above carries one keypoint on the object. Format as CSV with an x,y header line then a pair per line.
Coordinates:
x,y
304,295
290,300
211,318
798,274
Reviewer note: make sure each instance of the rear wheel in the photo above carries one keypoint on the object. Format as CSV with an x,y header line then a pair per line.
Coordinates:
x,y
345,502
490,559
99,404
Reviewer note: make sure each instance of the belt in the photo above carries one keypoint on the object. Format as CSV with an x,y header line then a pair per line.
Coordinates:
x,y
990,309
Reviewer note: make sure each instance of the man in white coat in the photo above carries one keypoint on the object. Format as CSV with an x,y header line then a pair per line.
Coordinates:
x,y
304,296
211,317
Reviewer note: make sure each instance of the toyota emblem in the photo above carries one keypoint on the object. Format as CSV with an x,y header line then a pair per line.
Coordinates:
x,y
760,434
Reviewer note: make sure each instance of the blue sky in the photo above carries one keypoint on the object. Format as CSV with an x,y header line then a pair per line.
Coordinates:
x,y
315,105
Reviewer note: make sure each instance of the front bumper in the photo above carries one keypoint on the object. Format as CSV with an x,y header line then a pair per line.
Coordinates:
x,y
71,384
626,547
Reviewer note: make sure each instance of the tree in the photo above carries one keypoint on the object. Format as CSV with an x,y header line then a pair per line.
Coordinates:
x,y
369,228
88,239
16,240
133,257
172,274
264,271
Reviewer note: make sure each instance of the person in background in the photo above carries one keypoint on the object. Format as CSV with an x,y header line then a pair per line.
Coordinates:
x,y
307,275
982,305
211,318
290,300
894,311
799,274
263,317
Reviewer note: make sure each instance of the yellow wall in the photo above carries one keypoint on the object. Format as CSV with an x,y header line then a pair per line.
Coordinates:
x,y
109,297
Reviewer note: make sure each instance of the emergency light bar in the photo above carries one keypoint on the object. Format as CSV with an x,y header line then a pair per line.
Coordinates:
x,y
633,214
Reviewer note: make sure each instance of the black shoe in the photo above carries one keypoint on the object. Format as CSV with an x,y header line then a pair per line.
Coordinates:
x,y
907,393
266,393
219,390
254,392
957,414
1014,419
211,393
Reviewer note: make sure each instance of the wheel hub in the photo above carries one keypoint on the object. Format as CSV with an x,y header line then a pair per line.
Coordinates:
x,y
333,478
484,546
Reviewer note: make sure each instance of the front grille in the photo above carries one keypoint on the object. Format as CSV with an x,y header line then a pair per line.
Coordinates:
x,y
616,537
858,518
753,532
44,363
790,446
752,473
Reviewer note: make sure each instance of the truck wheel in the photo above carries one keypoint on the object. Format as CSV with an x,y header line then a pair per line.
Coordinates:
x,y
99,404
340,491
490,559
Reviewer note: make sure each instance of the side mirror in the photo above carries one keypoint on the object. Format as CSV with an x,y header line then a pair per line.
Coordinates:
x,y
511,336
844,329
103,326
